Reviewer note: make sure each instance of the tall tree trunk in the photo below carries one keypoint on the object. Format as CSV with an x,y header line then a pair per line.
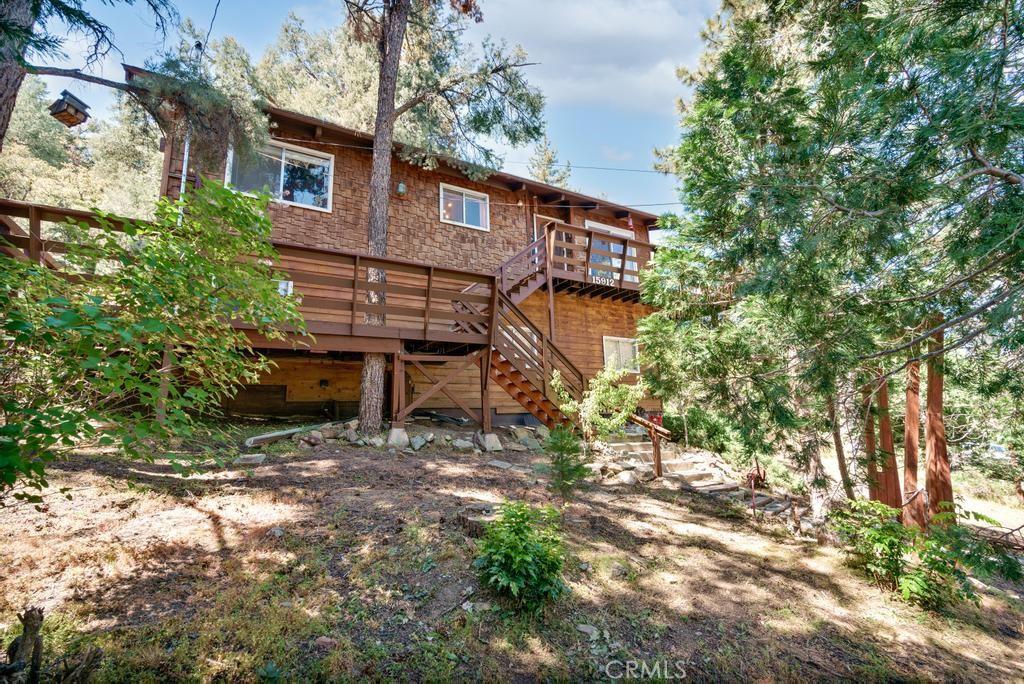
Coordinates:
x,y
12,13
889,479
869,444
837,440
393,24
938,479
914,514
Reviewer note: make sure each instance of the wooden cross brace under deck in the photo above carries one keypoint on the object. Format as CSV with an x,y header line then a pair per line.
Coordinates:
x,y
402,411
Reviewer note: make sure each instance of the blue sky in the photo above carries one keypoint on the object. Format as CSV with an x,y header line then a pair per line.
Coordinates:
x,y
607,68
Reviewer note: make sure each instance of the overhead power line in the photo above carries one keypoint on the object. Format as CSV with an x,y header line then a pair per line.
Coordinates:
x,y
567,164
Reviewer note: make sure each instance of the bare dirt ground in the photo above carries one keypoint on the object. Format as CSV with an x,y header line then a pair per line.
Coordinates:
x,y
347,563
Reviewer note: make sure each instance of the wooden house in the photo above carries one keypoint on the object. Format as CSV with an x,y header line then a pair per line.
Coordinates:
x,y
491,286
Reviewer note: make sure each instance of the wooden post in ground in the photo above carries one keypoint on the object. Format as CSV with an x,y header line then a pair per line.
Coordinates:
x,y
914,513
394,389
938,479
398,383
656,441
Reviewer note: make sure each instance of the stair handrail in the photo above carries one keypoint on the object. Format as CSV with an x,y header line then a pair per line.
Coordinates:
x,y
656,433
575,383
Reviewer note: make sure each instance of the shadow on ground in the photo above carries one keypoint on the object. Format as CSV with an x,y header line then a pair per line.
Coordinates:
x,y
349,563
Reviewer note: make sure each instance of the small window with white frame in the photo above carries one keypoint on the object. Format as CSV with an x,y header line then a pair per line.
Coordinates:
x,y
290,174
621,353
465,208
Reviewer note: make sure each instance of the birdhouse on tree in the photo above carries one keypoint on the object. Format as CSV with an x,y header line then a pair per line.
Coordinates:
x,y
69,110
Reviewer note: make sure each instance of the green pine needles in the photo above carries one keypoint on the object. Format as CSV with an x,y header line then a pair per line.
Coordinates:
x,y
521,556
567,462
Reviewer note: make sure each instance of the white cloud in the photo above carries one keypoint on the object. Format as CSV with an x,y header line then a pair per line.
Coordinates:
x,y
618,53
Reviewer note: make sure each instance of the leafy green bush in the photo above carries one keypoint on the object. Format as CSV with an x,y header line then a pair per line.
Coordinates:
x,y
606,405
567,464
947,556
931,568
521,555
142,344
704,429
879,543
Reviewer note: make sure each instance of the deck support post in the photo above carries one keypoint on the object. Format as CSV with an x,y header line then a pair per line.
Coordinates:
x,y
398,391
485,391
549,234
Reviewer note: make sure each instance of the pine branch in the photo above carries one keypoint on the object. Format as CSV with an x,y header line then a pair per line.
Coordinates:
x,y
453,84
79,75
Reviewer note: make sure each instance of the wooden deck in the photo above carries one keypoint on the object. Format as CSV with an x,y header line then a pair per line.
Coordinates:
x,y
426,314
595,263
420,303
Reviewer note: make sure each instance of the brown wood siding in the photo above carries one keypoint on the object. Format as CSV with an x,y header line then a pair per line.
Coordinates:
x,y
416,231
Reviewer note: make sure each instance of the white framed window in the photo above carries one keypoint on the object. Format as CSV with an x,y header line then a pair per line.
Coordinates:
x,y
621,352
290,174
614,230
466,208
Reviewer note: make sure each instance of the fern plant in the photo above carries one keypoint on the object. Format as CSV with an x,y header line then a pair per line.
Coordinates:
x,y
521,556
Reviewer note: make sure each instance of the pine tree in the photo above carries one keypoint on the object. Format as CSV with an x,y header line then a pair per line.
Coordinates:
x,y
488,98
850,171
543,165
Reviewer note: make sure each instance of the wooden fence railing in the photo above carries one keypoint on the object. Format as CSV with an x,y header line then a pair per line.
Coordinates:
x,y
532,353
420,302
596,257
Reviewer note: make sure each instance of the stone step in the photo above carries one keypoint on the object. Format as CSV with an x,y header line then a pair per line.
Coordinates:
x,y
691,477
776,507
680,466
721,488
629,438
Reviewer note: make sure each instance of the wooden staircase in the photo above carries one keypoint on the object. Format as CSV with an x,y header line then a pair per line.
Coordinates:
x,y
524,361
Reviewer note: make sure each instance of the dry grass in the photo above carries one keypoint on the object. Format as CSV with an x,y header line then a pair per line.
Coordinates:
x,y
186,580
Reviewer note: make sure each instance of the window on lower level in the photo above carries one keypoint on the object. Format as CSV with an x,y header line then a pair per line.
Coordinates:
x,y
465,207
621,352
290,174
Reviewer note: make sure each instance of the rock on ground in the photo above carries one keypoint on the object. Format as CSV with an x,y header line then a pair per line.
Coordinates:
x,y
250,459
398,438
488,441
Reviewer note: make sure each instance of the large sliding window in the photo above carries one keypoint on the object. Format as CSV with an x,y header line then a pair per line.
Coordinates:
x,y
290,174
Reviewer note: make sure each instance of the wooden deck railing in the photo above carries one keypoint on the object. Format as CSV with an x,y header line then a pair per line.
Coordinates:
x,y
595,257
421,302
532,353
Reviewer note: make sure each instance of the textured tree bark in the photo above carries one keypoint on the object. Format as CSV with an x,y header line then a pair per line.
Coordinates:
x,y
889,478
837,440
938,479
393,24
914,514
15,13
25,653
869,444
